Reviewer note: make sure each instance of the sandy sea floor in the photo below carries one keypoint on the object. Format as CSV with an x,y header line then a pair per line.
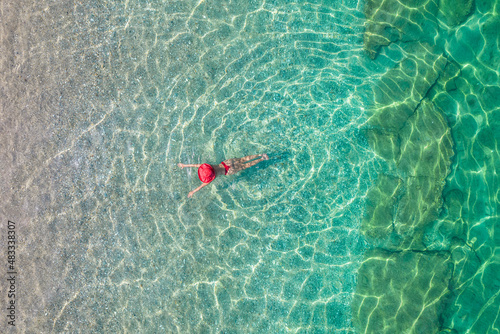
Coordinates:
x,y
377,211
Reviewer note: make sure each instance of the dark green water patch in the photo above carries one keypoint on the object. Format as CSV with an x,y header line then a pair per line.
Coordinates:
x,y
431,217
401,292
392,21
454,12
415,140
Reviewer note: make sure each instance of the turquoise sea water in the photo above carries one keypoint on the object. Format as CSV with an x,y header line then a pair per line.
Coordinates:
x,y
377,212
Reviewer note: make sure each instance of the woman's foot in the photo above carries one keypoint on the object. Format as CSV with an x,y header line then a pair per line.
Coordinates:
x,y
265,156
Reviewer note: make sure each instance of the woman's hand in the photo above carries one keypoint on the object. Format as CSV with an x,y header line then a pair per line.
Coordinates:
x,y
180,165
191,194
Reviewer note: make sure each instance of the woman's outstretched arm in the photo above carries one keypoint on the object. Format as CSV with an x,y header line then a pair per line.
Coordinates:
x,y
187,165
192,192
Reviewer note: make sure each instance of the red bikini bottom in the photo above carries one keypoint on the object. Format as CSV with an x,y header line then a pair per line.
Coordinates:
x,y
225,166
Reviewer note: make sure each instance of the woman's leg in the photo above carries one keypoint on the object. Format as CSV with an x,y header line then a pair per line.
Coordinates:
x,y
244,163
252,163
248,157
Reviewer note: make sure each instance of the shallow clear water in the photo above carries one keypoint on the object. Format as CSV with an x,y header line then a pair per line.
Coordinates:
x,y
377,212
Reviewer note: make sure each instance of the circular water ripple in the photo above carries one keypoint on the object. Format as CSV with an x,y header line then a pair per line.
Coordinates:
x,y
275,247
272,249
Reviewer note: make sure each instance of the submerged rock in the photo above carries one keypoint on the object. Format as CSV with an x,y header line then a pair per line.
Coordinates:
x,y
381,206
401,292
455,12
387,21
415,139
404,206
403,288
401,89
428,239
385,143
427,142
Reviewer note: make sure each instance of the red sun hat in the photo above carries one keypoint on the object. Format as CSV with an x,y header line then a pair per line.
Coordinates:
x,y
206,173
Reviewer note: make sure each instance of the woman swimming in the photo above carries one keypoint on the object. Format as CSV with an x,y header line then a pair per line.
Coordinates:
x,y
207,173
